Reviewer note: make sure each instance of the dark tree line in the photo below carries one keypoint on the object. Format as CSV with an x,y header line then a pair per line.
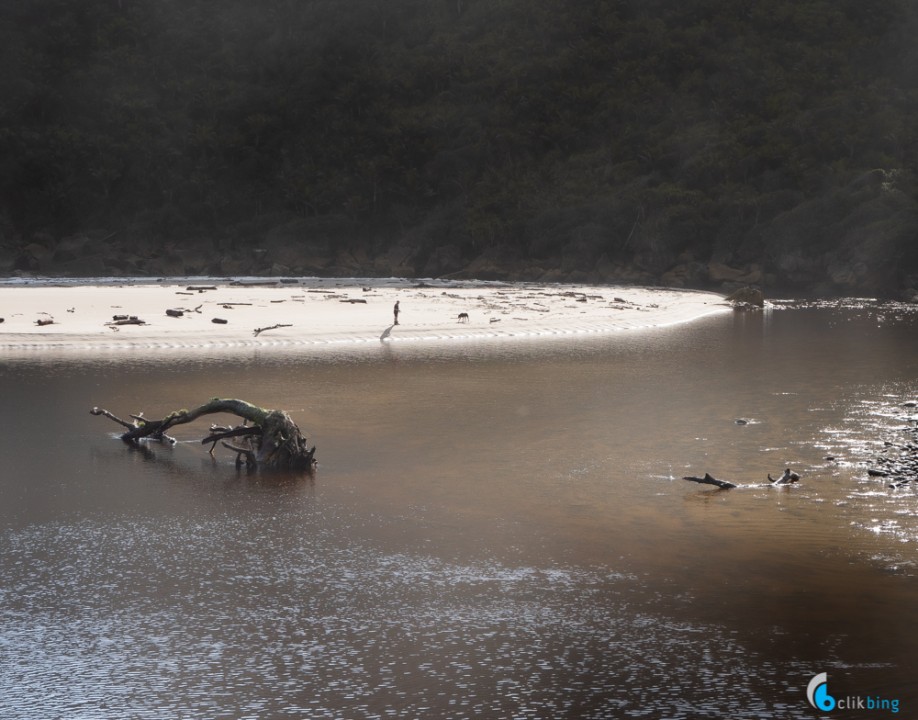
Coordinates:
x,y
632,130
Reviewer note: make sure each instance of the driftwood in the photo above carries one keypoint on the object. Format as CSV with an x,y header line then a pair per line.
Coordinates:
x,y
125,320
180,312
259,331
708,480
272,440
787,478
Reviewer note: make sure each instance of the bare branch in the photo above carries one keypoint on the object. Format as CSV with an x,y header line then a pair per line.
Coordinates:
x,y
241,431
110,416
259,331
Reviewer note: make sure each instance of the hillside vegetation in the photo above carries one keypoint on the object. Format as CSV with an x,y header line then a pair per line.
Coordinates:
x,y
692,142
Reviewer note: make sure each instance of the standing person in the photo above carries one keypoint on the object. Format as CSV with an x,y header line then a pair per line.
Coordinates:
x,y
395,310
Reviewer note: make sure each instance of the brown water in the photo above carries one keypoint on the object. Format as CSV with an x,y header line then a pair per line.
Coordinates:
x,y
495,530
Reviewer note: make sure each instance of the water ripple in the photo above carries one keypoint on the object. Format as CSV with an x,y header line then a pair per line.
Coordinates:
x,y
215,619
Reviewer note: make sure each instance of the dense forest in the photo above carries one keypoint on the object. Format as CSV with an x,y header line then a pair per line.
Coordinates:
x,y
691,142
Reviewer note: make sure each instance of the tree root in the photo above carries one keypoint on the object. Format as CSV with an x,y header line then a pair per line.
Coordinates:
x,y
273,439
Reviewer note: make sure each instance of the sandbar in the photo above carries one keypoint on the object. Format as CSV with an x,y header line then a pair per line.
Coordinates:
x,y
315,313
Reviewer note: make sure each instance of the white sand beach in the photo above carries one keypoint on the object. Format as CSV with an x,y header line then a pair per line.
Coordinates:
x,y
316,313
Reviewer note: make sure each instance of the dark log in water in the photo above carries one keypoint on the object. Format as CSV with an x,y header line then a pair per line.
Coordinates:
x,y
273,440
786,479
708,480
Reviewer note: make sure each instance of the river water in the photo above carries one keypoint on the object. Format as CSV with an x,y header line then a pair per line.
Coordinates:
x,y
494,530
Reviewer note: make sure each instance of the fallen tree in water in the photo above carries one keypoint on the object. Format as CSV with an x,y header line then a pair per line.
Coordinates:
x,y
272,440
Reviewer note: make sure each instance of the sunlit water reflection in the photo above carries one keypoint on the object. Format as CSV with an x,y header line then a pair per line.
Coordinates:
x,y
494,530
